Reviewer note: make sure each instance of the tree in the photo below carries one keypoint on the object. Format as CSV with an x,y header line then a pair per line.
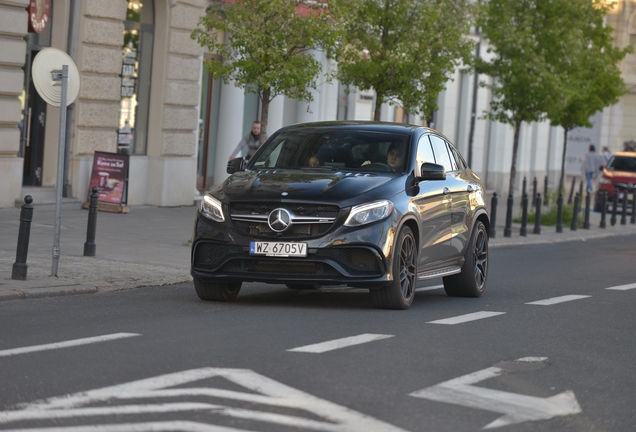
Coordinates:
x,y
519,34
267,46
588,66
405,50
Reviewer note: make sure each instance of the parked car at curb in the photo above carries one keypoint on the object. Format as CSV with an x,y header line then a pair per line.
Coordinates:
x,y
619,173
363,204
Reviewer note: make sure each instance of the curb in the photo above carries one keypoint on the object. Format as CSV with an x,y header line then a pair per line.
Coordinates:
x,y
16,294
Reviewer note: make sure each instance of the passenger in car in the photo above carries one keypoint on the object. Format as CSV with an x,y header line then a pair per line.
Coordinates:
x,y
313,162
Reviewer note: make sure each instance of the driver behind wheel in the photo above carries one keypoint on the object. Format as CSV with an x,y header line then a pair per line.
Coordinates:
x,y
394,157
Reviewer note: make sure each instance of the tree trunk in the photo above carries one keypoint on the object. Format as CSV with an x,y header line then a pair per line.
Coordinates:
x,y
565,146
264,114
378,109
513,166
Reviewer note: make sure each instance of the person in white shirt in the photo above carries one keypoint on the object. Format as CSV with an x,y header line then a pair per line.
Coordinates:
x,y
590,166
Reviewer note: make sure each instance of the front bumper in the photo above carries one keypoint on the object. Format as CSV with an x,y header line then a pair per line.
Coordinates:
x,y
343,255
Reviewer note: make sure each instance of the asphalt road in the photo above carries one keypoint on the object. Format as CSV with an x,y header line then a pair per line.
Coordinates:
x,y
174,362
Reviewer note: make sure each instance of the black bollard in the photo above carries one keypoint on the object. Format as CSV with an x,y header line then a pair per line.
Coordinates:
x,y
90,246
534,190
572,191
581,190
20,267
559,225
633,218
614,207
604,209
575,213
545,191
524,215
493,215
508,227
624,212
537,215
523,186
588,198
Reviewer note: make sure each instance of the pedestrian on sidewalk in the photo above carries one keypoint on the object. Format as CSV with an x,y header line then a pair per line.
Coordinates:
x,y
251,141
590,166
604,158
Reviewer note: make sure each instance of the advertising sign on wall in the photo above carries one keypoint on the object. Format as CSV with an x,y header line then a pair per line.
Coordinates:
x,y
110,172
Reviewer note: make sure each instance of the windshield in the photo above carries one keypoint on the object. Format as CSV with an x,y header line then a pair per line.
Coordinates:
x,y
621,163
354,150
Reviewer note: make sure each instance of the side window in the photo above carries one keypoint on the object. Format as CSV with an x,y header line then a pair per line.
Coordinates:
x,y
441,153
461,163
424,153
453,157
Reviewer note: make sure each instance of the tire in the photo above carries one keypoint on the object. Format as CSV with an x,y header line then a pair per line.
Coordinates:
x,y
471,282
214,291
302,286
401,292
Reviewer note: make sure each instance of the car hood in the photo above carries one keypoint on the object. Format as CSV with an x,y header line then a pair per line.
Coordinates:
x,y
620,176
303,185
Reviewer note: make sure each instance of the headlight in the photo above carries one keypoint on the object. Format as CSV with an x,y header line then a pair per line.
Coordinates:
x,y
211,208
370,212
603,180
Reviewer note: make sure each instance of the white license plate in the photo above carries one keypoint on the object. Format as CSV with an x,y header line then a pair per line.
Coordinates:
x,y
278,249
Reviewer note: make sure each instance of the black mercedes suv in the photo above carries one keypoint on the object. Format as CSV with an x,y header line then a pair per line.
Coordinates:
x,y
363,204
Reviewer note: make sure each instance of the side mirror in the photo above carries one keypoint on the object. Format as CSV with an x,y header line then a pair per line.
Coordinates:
x,y
235,165
431,171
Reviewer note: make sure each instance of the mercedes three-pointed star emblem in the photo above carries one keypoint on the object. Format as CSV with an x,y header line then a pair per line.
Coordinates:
x,y
279,220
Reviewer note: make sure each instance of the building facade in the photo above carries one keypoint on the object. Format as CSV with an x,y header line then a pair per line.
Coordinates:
x,y
144,92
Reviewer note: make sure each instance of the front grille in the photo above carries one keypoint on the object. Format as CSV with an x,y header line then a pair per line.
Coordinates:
x,y
281,268
210,255
259,212
355,260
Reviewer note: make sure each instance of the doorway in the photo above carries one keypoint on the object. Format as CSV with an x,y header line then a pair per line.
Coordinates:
x,y
33,128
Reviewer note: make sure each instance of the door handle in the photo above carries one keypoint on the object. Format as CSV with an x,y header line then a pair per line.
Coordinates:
x,y
446,191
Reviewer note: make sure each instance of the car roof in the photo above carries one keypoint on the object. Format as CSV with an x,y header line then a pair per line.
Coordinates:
x,y
360,126
625,154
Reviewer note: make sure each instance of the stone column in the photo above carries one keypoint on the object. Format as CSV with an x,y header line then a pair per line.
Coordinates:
x,y
13,27
275,120
230,128
172,155
99,58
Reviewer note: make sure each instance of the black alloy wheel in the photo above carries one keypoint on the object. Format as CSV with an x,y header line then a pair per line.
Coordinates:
x,y
401,292
471,281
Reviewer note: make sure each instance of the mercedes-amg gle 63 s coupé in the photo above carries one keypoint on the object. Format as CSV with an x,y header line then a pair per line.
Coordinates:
x,y
363,204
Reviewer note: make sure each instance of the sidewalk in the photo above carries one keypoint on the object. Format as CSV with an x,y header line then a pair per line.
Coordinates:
x,y
150,246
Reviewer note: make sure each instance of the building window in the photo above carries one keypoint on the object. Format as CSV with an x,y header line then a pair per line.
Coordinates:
x,y
136,65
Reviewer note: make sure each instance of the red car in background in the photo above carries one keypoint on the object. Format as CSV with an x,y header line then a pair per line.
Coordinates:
x,y
620,171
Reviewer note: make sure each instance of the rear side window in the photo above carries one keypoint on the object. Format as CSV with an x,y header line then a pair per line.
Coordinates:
x,y
456,160
441,153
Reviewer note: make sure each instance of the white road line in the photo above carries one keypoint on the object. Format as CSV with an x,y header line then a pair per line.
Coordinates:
x,y
66,344
555,300
340,343
465,318
429,288
623,287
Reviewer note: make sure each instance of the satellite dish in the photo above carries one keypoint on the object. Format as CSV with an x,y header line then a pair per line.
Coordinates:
x,y
47,76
